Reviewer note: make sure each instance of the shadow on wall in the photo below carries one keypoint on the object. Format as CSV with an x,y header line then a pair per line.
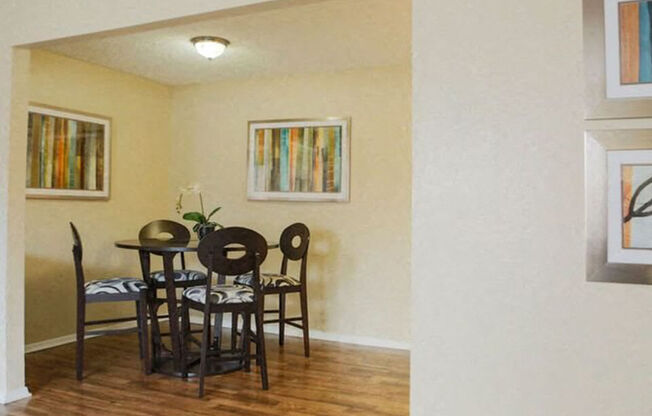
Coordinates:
x,y
50,288
51,295
325,254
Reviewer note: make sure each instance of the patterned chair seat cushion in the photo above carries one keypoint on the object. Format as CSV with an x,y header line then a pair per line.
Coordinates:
x,y
221,294
179,276
268,280
117,285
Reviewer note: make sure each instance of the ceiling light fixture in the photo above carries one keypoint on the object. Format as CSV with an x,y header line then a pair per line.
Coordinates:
x,y
209,46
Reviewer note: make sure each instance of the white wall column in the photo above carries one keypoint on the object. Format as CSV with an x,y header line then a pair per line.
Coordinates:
x,y
12,212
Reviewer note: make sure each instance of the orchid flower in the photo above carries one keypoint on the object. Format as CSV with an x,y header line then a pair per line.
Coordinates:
x,y
199,217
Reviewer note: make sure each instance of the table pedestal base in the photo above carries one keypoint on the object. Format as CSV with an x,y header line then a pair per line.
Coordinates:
x,y
165,366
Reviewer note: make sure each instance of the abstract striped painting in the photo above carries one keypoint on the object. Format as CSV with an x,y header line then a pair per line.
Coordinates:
x,y
629,206
299,160
67,154
634,21
636,183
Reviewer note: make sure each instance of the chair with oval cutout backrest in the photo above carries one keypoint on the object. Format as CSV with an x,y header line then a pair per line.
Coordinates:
x,y
282,283
118,289
213,252
182,277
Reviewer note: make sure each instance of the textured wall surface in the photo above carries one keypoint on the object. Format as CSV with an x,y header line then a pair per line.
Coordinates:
x,y
504,321
140,114
359,273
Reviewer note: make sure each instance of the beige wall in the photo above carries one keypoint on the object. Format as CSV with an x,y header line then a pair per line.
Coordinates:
x,y
504,321
139,154
359,262
356,246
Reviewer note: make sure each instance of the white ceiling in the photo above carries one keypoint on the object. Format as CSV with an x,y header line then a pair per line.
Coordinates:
x,y
319,36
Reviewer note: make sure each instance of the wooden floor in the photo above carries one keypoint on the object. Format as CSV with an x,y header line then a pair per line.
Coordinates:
x,y
338,379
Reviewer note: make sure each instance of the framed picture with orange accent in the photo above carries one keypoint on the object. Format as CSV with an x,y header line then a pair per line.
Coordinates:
x,y
628,48
68,154
299,160
629,209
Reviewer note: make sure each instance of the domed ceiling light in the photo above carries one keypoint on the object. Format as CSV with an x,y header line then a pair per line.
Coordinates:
x,y
209,46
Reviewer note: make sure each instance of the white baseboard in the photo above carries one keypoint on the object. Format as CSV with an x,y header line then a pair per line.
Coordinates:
x,y
13,395
325,336
67,339
270,329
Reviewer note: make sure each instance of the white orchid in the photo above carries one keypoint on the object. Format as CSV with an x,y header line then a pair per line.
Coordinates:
x,y
190,189
202,221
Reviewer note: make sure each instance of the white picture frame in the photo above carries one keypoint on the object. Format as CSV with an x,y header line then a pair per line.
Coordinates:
x,y
616,252
616,89
259,186
37,190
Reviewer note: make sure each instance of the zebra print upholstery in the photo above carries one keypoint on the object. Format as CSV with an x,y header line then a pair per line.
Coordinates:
x,y
221,294
268,280
113,286
179,276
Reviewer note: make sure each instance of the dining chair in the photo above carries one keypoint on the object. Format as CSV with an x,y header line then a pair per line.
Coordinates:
x,y
282,283
117,289
182,277
213,252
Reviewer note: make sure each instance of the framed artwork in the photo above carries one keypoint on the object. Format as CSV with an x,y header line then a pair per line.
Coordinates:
x,y
629,209
299,160
68,154
628,48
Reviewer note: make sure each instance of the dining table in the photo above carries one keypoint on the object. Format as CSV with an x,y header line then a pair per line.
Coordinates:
x,y
164,362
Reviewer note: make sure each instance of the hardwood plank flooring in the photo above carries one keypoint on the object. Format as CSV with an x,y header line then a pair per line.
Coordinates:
x,y
338,379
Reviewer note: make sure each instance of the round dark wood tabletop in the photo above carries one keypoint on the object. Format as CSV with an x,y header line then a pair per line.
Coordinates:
x,y
172,245
158,245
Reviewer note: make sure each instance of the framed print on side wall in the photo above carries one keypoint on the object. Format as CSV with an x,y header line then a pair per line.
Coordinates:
x,y
629,206
68,154
299,160
628,48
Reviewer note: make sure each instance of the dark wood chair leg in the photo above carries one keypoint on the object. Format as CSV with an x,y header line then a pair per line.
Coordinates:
x,y
185,334
234,330
204,352
144,333
79,356
140,329
246,341
281,318
217,331
185,322
260,348
156,329
262,314
304,321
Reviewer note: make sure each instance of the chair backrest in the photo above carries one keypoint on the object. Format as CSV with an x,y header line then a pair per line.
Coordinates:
x,y
292,252
155,228
77,254
213,251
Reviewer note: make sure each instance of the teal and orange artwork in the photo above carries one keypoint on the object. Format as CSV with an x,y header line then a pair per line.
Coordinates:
x,y
635,25
298,159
